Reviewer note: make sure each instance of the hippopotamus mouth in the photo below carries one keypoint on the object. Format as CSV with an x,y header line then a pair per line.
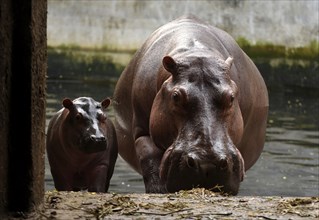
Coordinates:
x,y
91,145
183,171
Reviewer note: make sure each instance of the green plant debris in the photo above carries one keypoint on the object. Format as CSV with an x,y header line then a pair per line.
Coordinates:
x,y
299,206
117,204
199,193
124,205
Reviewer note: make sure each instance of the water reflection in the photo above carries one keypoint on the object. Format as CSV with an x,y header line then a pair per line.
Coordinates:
x,y
288,166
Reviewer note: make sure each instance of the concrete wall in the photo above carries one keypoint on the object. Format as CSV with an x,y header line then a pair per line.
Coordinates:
x,y
125,24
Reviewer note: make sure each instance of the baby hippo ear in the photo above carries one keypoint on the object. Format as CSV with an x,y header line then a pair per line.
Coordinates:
x,y
67,103
169,64
105,103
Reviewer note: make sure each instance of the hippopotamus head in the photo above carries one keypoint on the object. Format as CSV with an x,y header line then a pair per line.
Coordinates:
x,y
196,120
85,124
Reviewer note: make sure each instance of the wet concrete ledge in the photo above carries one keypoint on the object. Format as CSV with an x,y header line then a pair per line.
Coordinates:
x,y
193,204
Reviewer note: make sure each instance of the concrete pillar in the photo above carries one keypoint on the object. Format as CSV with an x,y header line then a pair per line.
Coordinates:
x,y
23,67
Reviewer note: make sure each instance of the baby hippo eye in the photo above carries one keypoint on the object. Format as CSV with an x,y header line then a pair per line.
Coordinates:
x,y
101,117
78,116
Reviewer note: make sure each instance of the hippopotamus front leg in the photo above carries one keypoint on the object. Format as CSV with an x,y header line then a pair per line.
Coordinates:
x,y
150,158
62,182
97,179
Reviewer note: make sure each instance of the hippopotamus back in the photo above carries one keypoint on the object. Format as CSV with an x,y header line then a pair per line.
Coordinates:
x,y
191,96
82,146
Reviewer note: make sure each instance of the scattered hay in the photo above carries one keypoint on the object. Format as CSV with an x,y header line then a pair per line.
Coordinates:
x,y
197,203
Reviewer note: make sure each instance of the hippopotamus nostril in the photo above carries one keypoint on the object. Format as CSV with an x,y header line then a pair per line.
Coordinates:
x,y
101,139
191,163
223,164
97,139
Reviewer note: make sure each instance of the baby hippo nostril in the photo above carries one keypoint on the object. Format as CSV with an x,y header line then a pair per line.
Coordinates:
x,y
191,163
223,164
97,139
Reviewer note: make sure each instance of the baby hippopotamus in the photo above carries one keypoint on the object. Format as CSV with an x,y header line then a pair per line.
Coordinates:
x,y
82,146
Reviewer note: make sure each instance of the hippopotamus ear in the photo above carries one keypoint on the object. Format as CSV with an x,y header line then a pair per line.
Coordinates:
x,y
67,103
105,103
229,62
170,64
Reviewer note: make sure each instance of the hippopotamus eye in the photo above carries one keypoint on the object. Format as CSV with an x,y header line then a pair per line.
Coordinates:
x,y
78,116
175,96
101,117
226,100
179,97
232,98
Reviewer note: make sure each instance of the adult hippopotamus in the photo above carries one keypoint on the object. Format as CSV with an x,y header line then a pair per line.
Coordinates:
x,y
190,109
81,146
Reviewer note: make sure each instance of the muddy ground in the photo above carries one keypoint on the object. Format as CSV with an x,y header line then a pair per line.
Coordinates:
x,y
193,204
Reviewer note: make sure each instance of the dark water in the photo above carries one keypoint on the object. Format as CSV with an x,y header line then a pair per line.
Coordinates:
x,y
288,166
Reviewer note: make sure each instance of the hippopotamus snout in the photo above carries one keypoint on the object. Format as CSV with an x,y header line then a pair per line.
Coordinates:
x,y
93,143
97,139
202,168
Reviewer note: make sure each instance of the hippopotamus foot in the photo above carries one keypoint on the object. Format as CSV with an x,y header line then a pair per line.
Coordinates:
x,y
150,160
62,183
153,184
